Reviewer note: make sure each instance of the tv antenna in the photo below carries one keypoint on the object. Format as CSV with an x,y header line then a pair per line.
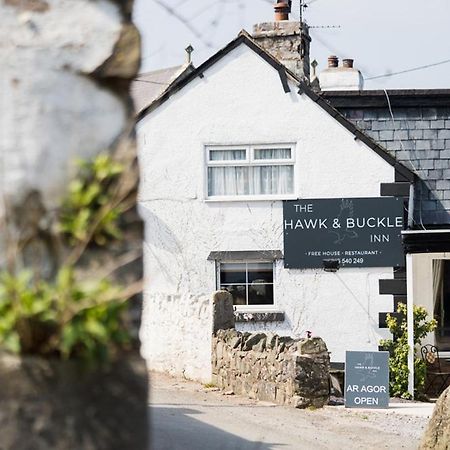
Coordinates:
x,y
303,6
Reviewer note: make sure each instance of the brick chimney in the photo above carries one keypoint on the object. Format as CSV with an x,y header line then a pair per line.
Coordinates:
x,y
286,40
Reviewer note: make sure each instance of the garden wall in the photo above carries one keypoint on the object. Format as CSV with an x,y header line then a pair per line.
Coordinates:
x,y
272,368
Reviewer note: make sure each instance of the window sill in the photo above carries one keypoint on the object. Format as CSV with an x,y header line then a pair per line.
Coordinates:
x,y
252,198
259,316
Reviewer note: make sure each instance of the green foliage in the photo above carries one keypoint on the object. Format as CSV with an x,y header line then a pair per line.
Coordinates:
x,y
64,318
89,211
398,349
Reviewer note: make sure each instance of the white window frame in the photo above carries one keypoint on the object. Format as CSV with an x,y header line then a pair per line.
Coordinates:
x,y
254,308
250,161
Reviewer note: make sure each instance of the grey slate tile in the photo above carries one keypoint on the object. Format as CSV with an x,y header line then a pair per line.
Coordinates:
x,y
423,124
440,123
430,134
416,134
444,134
386,135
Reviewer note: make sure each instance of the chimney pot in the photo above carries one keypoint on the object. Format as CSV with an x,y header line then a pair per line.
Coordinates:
x,y
347,63
333,61
282,10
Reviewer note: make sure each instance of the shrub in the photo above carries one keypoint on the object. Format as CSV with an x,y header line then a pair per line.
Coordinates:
x,y
73,313
398,350
65,318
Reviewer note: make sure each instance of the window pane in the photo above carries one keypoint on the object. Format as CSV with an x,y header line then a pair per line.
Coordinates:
x,y
260,273
238,293
272,180
260,294
228,181
227,155
232,273
273,153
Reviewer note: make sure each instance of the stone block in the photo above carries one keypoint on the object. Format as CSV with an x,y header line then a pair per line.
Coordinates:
x,y
416,134
423,145
444,134
310,346
426,164
401,134
437,124
378,125
223,314
441,164
443,184
438,144
386,135
430,134
423,124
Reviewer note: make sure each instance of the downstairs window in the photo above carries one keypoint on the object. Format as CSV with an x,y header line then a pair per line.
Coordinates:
x,y
250,283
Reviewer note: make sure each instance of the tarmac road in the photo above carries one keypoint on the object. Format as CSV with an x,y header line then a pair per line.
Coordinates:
x,y
187,416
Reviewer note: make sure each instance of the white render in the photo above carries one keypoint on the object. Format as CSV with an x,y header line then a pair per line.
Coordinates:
x,y
240,100
341,79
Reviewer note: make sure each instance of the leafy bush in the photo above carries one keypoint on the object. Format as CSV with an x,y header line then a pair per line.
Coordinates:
x,y
65,318
398,350
89,211
68,315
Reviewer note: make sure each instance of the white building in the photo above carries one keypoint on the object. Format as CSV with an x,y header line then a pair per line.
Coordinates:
x,y
221,150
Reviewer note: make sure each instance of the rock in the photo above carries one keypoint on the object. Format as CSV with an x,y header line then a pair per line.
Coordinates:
x,y
437,433
252,340
62,405
311,346
260,347
223,313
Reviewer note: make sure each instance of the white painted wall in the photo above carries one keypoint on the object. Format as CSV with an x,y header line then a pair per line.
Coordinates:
x,y
240,100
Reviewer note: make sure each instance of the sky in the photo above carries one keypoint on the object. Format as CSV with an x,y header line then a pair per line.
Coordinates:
x,y
382,36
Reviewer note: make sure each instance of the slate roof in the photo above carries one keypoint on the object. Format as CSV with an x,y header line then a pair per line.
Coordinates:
x,y
418,135
147,87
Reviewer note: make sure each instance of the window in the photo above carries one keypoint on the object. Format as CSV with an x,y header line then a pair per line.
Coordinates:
x,y
250,283
250,171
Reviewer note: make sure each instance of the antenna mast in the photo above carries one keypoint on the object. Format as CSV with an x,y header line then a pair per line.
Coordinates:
x,y
303,6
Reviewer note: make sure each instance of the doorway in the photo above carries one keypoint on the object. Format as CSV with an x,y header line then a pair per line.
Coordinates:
x,y
441,275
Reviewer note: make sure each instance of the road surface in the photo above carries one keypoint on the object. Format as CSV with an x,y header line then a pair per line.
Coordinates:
x,y
187,416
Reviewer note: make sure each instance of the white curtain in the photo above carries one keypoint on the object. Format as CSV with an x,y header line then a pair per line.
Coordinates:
x,y
438,278
273,153
272,180
227,155
228,180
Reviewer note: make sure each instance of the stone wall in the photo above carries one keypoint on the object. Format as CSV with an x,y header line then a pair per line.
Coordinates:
x,y
272,368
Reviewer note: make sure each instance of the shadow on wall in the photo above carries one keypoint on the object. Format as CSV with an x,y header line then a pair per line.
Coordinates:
x,y
176,429
157,232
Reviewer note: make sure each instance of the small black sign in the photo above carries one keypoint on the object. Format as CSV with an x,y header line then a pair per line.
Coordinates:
x,y
366,380
349,232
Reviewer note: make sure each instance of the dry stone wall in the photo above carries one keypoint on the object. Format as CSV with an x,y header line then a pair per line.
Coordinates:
x,y
272,368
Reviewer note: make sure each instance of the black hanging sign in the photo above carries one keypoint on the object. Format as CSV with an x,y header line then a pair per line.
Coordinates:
x,y
349,232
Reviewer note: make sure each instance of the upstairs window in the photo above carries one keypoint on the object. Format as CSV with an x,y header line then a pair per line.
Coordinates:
x,y
250,171
250,283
